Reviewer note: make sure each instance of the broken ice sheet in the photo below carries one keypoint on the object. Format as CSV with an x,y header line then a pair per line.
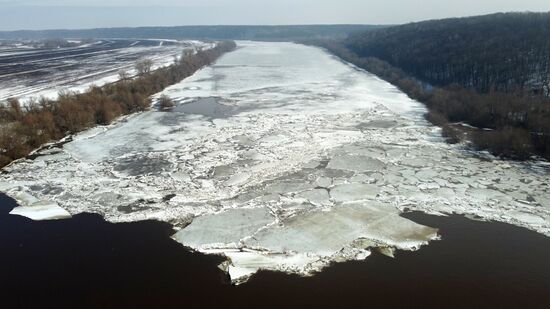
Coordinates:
x,y
306,136
228,227
304,243
41,211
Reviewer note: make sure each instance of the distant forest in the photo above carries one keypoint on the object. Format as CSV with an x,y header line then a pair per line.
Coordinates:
x,y
491,72
264,33
502,52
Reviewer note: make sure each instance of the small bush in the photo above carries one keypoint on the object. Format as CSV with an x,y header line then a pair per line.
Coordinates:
x,y
4,160
165,103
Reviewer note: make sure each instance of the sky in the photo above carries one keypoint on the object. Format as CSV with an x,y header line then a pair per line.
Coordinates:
x,y
78,14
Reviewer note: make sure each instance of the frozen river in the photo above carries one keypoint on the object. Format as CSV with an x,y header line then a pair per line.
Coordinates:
x,y
280,157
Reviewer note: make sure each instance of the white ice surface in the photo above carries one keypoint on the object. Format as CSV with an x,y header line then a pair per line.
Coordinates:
x,y
271,140
41,211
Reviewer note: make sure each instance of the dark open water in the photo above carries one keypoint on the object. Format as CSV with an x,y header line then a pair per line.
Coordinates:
x,y
86,262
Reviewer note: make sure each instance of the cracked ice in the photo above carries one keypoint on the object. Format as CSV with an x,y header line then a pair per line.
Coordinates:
x,y
281,157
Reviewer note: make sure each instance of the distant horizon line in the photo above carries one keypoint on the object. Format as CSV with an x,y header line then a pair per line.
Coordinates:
x,y
268,25
197,25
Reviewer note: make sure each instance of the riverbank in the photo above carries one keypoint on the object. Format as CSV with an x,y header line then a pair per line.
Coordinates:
x,y
511,126
26,129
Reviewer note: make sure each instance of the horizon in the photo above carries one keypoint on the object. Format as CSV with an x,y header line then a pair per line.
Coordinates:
x,y
82,14
267,25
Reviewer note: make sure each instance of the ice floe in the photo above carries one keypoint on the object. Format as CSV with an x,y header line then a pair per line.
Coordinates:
x,y
41,211
293,161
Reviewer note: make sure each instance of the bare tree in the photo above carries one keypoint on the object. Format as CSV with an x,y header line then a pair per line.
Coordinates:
x,y
123,75
144,66
187,52
14,108
165,102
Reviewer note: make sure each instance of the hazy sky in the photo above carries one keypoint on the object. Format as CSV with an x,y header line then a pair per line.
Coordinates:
x,y
48,14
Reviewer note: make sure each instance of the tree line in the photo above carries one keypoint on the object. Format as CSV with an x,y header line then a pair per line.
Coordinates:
x,y
464,72
506,52
511,125
270,33
25,128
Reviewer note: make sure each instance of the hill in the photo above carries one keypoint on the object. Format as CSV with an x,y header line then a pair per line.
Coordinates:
x,y
492,72
269,33
503,52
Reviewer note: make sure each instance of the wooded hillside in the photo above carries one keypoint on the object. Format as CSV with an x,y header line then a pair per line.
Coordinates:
x,y
259,33
491,72
500,52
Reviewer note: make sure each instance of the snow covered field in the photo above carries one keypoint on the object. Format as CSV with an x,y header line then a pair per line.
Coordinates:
x,y
281,157
27,73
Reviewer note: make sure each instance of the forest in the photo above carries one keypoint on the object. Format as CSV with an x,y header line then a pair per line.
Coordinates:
x,y
25,128
256,33
491,72
500,52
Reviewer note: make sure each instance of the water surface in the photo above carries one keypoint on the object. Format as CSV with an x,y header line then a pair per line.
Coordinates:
x,y
86,262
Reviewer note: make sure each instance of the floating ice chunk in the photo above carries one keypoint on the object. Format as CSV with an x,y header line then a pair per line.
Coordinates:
x,y
289,187
445,193
427,174
238,180
312,164
326,232
306,243
415,162
527,217
395,178
273,140
362,178
107,198
223,171
243,140
24,198
316,196
40,211
544,201
387,251
323,182
224,228
244,263
361,150
354,192
253,155
355,163
181,176
429,186
483,193
379,124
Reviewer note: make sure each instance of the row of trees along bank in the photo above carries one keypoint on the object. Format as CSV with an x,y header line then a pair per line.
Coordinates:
x,y
511,124
25,128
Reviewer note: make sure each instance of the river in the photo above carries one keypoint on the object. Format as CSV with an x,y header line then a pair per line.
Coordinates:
x,y
281,157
